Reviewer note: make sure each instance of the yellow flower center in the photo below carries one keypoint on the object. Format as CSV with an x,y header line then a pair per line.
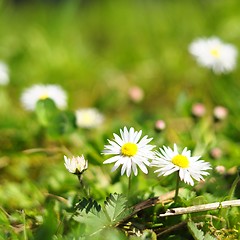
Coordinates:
x,y
215,52
129,149
43,96
180,161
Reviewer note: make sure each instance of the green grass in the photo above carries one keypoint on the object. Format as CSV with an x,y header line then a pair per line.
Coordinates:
x,y
97,50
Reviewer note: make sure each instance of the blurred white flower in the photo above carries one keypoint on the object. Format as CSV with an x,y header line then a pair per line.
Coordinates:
x,y
130,151
76,165
4,74
88,118
214,54
169,161
33,94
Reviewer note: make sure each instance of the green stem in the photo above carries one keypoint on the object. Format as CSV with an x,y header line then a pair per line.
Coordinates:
x,y
129,185
233,188
177,187
85,192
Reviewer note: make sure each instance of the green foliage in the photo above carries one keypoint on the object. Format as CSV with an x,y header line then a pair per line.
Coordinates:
x,y
97,219
197,233
55,121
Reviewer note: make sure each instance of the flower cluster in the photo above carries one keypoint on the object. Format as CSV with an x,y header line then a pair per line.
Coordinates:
x,y
130,151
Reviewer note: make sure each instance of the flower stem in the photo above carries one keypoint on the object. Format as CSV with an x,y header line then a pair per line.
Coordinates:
x,y
129,185
177,187
85,192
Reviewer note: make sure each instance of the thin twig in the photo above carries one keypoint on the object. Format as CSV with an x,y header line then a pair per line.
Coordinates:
x,y
200,208
154,201
172,228
59,198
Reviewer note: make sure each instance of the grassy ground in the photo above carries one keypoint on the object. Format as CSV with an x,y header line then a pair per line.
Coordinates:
x,y
98,50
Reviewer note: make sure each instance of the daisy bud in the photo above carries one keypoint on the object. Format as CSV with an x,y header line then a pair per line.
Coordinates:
x,y
136,94
160,125
198,110
220,113
216,153
76,165
220,169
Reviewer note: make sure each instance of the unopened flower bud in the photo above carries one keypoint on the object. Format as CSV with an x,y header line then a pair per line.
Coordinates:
x,y
220,113
198,110
216,153
160,125
220,169
136,94
76,165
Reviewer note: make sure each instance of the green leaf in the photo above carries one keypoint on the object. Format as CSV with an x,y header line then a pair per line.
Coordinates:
x,y
96,219
45,111
196,233
115,207
149,235
209,237
61,123
87,205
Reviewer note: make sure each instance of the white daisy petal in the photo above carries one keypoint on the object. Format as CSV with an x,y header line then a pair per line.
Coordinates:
x,y
130,151
134,168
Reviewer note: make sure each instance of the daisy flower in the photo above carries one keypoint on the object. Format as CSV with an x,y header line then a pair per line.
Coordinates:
x,y
170,160
37,92
130,151
88,118
4,74
76,165
214,54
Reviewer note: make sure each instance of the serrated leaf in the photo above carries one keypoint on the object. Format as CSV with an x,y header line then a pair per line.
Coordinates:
x,y
196,233
115,207
209,237
88,204
96,219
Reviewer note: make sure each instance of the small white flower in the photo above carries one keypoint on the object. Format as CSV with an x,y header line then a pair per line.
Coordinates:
x,y
76,165
214,54
88,118
130,151
4,74
169,161
32,95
